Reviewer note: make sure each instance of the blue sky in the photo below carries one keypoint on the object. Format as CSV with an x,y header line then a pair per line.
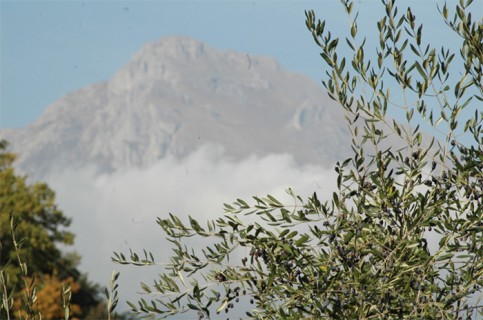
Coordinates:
x,y
50,48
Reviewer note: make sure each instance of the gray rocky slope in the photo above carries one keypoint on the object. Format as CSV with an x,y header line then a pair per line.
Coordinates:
x,y
175,95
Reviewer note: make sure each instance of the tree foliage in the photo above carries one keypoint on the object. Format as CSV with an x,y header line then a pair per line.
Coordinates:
x,y
32,229
40,223
48,302
401,236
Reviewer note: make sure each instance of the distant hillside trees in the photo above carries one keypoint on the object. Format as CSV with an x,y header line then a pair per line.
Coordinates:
x,y
401,236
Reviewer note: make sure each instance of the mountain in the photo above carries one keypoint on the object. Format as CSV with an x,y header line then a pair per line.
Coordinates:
x,y
175,95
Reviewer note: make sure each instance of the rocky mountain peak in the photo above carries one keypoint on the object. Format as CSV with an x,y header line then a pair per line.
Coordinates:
x,y
175,95
173,60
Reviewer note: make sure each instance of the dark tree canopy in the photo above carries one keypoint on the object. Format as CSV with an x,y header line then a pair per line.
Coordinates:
x,y
41,225
40,229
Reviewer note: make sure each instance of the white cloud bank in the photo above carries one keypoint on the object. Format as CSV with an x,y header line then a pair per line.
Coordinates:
x,y
118,211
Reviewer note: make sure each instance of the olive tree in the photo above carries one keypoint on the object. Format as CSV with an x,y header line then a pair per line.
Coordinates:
x,y
400,237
